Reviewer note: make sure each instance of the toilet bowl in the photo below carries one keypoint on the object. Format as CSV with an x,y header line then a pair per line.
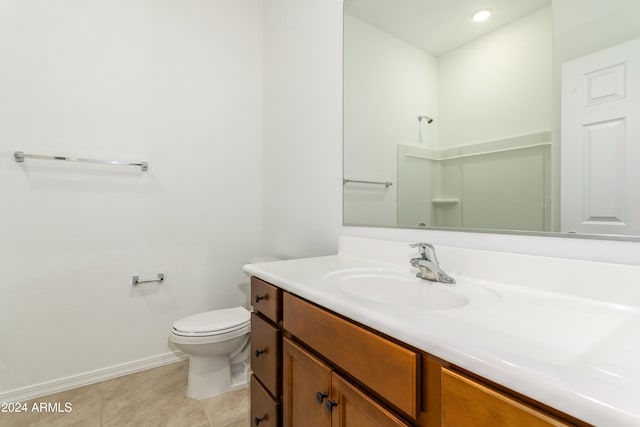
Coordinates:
x,y
217,343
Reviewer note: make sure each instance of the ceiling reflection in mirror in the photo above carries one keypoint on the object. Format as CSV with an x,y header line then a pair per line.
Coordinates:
x,y
525,122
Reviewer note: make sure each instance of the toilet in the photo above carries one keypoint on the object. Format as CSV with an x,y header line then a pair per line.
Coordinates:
x,y
217,343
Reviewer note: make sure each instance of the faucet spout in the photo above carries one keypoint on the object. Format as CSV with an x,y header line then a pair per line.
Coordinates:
x,y
428,264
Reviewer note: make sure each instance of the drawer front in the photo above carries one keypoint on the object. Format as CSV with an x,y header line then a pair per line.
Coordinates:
x,y
468,403
265,353
388,368
266,299
265,411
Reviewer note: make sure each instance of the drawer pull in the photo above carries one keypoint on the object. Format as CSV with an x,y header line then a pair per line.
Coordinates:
x,y
259,352
260,297
257,420
321,396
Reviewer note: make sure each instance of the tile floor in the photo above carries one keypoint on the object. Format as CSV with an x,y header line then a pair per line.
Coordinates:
x,y
156,397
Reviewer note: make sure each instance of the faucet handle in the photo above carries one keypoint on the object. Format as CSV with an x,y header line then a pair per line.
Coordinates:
x,y
427,251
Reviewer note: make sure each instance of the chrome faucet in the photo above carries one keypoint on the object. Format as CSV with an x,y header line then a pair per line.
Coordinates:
x,y
428,264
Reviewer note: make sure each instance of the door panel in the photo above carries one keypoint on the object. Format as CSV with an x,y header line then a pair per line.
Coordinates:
x,y
352,408
304,377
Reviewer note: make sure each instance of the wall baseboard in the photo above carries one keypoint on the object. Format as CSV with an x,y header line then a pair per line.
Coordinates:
x,y
55,386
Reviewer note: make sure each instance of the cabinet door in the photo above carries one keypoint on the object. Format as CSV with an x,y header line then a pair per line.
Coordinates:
x,y
468,403
352,408
307,384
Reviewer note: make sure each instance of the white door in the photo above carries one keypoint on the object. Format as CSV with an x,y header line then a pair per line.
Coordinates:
x,y
600,148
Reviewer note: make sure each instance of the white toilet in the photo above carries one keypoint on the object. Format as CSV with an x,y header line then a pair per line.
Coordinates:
x,y
218,345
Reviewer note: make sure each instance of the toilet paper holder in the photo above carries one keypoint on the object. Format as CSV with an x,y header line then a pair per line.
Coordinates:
x,y
135,280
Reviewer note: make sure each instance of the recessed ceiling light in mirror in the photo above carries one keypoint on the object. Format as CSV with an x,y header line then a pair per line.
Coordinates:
x,y
481,15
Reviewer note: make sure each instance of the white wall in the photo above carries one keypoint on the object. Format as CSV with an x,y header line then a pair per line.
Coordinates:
x,y
482,97
607,19
303,127
405,81
177,84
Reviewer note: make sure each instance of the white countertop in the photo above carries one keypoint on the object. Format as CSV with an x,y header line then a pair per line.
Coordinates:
x,y
563,342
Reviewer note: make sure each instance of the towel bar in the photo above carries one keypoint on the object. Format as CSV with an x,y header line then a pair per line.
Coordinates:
x,y
135,280
19,157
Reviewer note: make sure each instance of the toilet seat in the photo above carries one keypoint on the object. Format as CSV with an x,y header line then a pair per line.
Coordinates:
x,y
241,329
214,323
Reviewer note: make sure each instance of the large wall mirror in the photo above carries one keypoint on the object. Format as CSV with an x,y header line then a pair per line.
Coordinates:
x,y
528,121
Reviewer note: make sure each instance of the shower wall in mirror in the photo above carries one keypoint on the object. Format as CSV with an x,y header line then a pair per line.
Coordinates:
x,y
464,118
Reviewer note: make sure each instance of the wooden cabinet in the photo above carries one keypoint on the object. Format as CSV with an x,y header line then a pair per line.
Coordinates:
x,y
315,368
353,408
307,386
266,299
266,354
381,365
265,410
316,396
469,403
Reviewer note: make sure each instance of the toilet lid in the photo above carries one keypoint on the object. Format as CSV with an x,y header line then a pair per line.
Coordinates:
x,y
214,321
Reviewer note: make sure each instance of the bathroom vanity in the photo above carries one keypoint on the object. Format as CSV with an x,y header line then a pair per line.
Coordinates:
x,y
327,353
335,372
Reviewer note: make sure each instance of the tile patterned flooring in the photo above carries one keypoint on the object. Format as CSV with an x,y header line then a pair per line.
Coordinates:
x,y
156,397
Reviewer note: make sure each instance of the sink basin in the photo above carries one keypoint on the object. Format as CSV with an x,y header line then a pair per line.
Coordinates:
x,y
397,288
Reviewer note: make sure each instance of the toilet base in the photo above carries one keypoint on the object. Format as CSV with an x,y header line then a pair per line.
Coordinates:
x,y
210,376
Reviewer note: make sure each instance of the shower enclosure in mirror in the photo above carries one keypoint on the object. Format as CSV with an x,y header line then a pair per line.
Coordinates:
x,y
492,125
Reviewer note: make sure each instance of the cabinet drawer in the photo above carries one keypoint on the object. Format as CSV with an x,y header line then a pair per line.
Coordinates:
x,y
468,403
265,353
266,299
381,365
265,411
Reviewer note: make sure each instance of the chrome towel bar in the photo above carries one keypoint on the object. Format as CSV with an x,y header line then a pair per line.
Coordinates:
x,y
19,156
135,280
385,183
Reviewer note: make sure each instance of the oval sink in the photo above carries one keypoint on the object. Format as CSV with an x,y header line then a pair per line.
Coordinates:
x,y
397,288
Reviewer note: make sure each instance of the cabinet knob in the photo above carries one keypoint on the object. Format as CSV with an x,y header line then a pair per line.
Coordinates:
x,y
321,396
330,404
259,352
258,420
260,297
